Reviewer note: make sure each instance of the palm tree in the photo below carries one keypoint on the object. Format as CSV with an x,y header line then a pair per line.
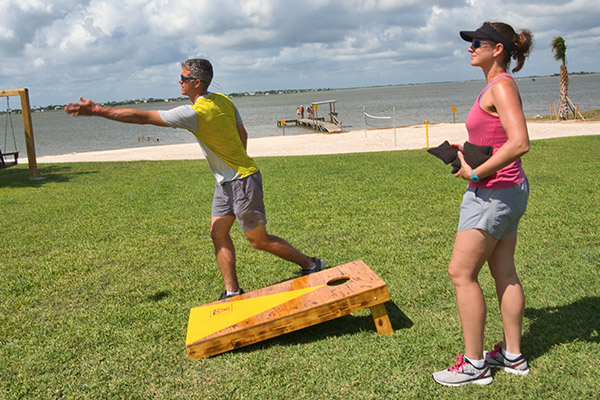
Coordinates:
x,y
559,48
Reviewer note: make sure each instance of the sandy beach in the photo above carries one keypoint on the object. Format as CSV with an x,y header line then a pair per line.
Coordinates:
x,y
356,141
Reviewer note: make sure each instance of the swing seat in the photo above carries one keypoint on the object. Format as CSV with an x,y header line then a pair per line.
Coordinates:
x,y
6,164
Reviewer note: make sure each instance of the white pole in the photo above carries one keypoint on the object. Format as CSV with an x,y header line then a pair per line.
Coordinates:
x,y
365,120
395,126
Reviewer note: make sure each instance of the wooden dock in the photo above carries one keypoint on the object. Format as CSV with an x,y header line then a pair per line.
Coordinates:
x,y
316,124
334,125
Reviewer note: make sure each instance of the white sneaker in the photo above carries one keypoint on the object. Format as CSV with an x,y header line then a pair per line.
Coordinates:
x,y
496,359
464,373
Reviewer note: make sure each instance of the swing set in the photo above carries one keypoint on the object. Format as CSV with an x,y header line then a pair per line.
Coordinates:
x,y
27,127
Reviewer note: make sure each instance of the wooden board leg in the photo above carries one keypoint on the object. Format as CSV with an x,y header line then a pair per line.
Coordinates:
x,y
381,319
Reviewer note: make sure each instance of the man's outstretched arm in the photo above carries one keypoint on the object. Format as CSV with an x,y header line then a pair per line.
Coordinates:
x,y
126,115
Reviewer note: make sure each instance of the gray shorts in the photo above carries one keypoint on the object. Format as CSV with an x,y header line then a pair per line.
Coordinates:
x,y
242,198
496,211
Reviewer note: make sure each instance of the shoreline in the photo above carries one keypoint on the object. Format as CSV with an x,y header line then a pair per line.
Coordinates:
x,y
355,141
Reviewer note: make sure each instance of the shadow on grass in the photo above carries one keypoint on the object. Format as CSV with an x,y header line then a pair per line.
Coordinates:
x,y
158,296
551,326
346,325
19,177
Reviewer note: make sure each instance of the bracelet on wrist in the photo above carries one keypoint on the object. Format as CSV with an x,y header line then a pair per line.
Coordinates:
x,y
474,177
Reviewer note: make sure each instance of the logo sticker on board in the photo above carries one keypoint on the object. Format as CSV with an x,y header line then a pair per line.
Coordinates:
x,y
218,311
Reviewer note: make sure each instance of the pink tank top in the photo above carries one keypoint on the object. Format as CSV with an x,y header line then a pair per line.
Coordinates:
x,y
486,130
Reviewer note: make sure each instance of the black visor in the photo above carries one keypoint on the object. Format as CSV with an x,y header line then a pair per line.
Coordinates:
x,y
487,31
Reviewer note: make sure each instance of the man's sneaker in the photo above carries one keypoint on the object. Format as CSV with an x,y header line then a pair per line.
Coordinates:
x,y
319,266
496,359
224,295
463,373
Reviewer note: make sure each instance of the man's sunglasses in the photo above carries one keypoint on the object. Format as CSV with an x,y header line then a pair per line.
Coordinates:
x,y
187,78
477,43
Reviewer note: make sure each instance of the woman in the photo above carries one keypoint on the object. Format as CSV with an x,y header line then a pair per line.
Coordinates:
x,y
494,202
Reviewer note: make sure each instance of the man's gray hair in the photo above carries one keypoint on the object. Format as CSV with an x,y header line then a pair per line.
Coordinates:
x,y
200,68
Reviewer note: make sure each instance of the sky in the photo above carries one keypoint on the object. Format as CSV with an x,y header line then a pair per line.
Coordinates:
x,y
132,49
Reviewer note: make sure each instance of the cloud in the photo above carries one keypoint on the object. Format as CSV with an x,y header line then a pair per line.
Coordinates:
x,y
118,49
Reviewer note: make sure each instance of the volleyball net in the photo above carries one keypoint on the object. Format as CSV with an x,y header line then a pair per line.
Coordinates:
x,y
379,121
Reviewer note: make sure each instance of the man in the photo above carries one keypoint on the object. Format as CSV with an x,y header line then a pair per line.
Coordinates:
x,y
218,126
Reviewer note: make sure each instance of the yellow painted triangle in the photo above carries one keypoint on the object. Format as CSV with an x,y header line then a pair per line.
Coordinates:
x,y
207,320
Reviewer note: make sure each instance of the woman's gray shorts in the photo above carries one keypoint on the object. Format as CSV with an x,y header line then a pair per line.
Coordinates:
x,y
496,211
242,198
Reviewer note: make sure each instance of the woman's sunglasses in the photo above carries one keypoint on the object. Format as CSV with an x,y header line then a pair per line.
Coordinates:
x,y
477,43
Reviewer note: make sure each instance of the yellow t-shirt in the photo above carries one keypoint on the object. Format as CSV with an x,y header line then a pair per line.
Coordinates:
x,y
218,133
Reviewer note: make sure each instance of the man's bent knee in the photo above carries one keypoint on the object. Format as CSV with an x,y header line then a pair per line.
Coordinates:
x,y
258,237
258,244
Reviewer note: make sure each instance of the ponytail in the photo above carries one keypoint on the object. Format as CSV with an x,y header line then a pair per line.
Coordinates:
x,y
522,43
523,46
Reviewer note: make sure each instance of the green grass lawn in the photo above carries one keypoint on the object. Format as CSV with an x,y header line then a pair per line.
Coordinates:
x,y
100,264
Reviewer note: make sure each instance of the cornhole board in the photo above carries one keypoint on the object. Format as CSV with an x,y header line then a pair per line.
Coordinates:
x,y
286,307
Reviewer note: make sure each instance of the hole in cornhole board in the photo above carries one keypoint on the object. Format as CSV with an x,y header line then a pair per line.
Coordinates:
x,y
338,281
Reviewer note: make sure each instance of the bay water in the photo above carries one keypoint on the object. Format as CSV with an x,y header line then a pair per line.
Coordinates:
x,y
57,133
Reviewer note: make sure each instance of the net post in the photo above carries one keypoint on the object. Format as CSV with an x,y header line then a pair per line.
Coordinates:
x,y
395,143
365,119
